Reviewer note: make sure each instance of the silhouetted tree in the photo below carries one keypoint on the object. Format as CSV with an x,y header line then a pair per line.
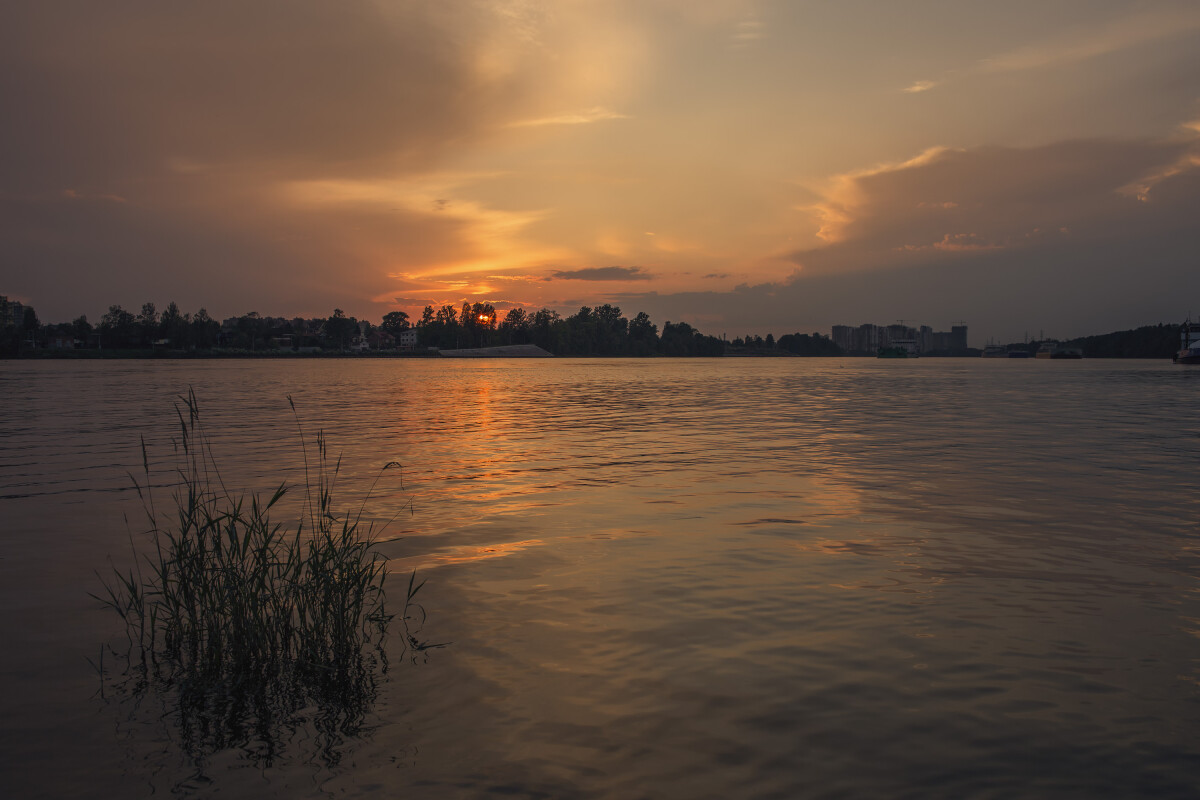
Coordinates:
x,y
394,323
805,345
118,328
542,329
643,335
515,327
339,329
147,323
81,329
205,330
174,326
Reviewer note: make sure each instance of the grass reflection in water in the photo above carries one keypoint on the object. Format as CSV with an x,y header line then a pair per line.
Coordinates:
x,y
244,632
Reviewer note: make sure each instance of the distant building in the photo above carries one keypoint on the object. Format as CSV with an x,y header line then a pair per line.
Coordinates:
x,y
407,340
62,341
870,338
11,312
843,337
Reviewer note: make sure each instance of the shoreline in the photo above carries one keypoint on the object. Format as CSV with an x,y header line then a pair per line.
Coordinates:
x,y
149,355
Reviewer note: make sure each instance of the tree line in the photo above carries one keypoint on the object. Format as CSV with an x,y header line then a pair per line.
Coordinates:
x,y
599,331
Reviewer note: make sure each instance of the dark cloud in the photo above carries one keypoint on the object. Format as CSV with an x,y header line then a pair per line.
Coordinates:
x,y
189,117
1073,238
602,274
93,91
957,202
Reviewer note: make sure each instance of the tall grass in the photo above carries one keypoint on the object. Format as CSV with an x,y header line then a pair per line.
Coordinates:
x,y
246,622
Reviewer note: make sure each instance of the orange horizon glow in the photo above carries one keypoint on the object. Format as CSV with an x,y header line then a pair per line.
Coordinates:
x,y
743,165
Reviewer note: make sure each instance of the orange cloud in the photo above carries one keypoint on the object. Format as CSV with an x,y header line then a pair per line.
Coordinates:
x,y
1004,198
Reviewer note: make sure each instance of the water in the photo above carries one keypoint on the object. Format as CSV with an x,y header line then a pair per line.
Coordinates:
x,y
661,578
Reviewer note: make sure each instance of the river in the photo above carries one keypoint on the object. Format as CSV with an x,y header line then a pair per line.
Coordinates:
x,y
656,578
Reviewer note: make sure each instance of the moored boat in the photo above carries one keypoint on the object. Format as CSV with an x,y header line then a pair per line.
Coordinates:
x,y
1058,350
1189,344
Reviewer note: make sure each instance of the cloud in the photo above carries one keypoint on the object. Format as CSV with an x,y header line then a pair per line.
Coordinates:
x,y
747,32
1092,42
263,149
1070,289
1060,237
602,274
596,114
1082,44
843,196
294,86
72,194
966,200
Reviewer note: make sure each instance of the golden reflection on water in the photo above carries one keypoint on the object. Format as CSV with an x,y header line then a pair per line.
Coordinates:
x,y
731,578
461,555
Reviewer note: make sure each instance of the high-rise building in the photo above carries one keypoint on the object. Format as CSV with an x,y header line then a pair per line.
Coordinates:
x,y
843,337
12,312
869,338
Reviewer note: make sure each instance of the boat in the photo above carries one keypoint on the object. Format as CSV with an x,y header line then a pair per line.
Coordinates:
x,y
995,351
1056,350
1189,344
900,348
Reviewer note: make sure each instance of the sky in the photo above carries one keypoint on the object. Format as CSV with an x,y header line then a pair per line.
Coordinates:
x,y
743,165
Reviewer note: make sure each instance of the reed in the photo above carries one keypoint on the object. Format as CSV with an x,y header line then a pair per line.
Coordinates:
x,y
247,620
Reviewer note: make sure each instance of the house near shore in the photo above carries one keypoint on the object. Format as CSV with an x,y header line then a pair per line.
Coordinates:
x,y
62,341
407,340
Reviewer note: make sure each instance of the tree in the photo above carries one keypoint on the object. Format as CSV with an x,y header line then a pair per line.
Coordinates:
x,y
81,329
515,327
339,329
147,324
251,330
804,345
611,330
30,325
173,326
205,330
478,320
394,323
643,335
542,329
118,327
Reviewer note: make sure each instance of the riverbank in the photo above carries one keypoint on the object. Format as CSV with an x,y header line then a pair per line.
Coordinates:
x,y
51,355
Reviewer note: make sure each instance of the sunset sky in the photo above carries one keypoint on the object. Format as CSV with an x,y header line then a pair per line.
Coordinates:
x,y
744,165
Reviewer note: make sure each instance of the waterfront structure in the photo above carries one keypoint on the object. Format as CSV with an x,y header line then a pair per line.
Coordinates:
x,y
870,338
12,312
407,339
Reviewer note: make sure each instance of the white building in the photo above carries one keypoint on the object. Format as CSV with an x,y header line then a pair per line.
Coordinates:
x,y
407,340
